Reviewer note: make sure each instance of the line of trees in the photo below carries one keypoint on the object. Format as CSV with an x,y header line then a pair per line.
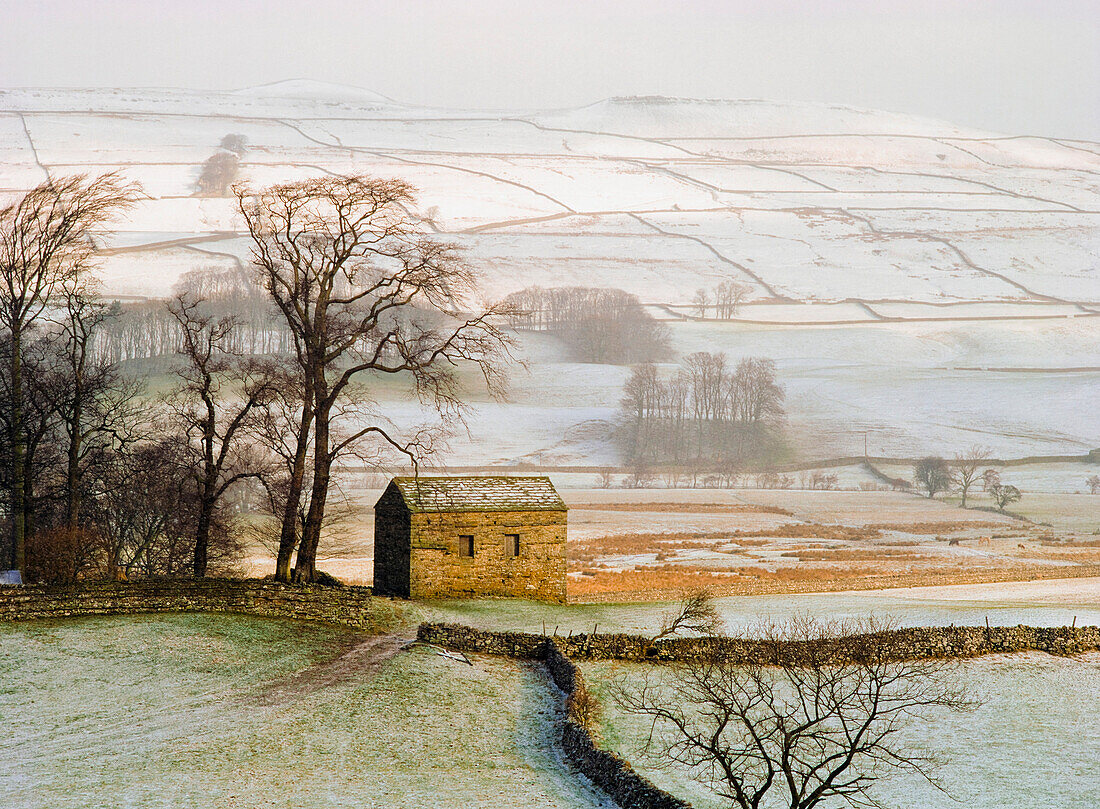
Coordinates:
x,y
598,324
721,302
966,470
144,329
709,414
100,477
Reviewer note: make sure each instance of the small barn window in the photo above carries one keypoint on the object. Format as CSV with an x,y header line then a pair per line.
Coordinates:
x,y
466,545
511,544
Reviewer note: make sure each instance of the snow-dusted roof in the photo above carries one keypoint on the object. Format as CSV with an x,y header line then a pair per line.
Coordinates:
x,y
479,493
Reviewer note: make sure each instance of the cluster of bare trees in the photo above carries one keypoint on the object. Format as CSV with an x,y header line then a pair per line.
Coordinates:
x,y
598,324
45,250
721,302
99,477
365,291
710,414
221,168
144,329
968,469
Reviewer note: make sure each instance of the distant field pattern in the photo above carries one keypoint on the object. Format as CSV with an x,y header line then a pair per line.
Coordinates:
x,y
959,255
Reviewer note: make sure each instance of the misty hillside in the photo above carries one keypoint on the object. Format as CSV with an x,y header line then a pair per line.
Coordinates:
x,y
945,264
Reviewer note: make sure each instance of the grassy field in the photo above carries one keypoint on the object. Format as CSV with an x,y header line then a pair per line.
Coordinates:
x,y
220,711
1032,744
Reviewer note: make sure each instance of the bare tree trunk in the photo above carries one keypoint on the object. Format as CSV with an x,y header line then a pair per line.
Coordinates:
x,y
288,536
306,570
18,457
72,473
202,532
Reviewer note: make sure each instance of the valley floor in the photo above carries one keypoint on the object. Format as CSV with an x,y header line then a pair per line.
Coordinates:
x,y
653,544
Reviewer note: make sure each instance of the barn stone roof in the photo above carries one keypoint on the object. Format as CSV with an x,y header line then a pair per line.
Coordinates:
x,y
478,493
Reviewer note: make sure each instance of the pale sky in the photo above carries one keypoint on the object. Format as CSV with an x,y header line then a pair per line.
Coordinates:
x,y
1014,66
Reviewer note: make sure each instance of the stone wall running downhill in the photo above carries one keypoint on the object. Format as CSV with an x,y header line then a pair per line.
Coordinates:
x,y
609,772
943,642
352,607
615,775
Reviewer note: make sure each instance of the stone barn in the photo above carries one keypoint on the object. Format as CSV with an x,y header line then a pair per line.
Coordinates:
x,y
464,537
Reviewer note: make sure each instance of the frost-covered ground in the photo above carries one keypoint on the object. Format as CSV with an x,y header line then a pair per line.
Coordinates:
x,y
186,711
1032,744
934,285
1035,603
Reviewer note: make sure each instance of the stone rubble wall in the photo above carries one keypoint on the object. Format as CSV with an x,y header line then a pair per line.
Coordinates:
x,y
352,607
609,772
940,642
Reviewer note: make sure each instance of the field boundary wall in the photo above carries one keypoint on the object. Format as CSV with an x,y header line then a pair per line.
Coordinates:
x,y
352,607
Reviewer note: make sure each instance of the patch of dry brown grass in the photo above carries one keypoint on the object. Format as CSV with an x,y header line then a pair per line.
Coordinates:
x,y
811,530
933,527
878,552
634,543
673,578
1070,543
685,508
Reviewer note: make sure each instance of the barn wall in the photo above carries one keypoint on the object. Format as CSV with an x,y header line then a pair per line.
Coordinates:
x,y
439,571
391,545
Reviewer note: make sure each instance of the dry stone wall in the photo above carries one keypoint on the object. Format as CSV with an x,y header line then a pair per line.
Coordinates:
x,y
352,607
900,644
609,772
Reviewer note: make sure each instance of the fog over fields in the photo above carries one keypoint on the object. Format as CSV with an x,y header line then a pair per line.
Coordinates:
x,y
930,285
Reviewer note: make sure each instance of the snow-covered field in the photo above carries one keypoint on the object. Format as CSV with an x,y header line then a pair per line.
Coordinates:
x,y
1034,603
953,273
1031,744
195,712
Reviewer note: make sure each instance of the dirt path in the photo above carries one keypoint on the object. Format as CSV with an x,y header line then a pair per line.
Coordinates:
x,y
358,663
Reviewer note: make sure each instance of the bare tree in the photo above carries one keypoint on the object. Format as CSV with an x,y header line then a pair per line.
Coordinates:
x,y
599,324
966,469
218,400
285,427
1004,495
932,474
95,403
709,415
365,290
807,730
695,613
728,296
145,516
701,301
45,246
1094,484
235,142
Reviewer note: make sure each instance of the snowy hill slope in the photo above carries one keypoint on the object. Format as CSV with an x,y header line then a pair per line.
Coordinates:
x,y
925,248
661,196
